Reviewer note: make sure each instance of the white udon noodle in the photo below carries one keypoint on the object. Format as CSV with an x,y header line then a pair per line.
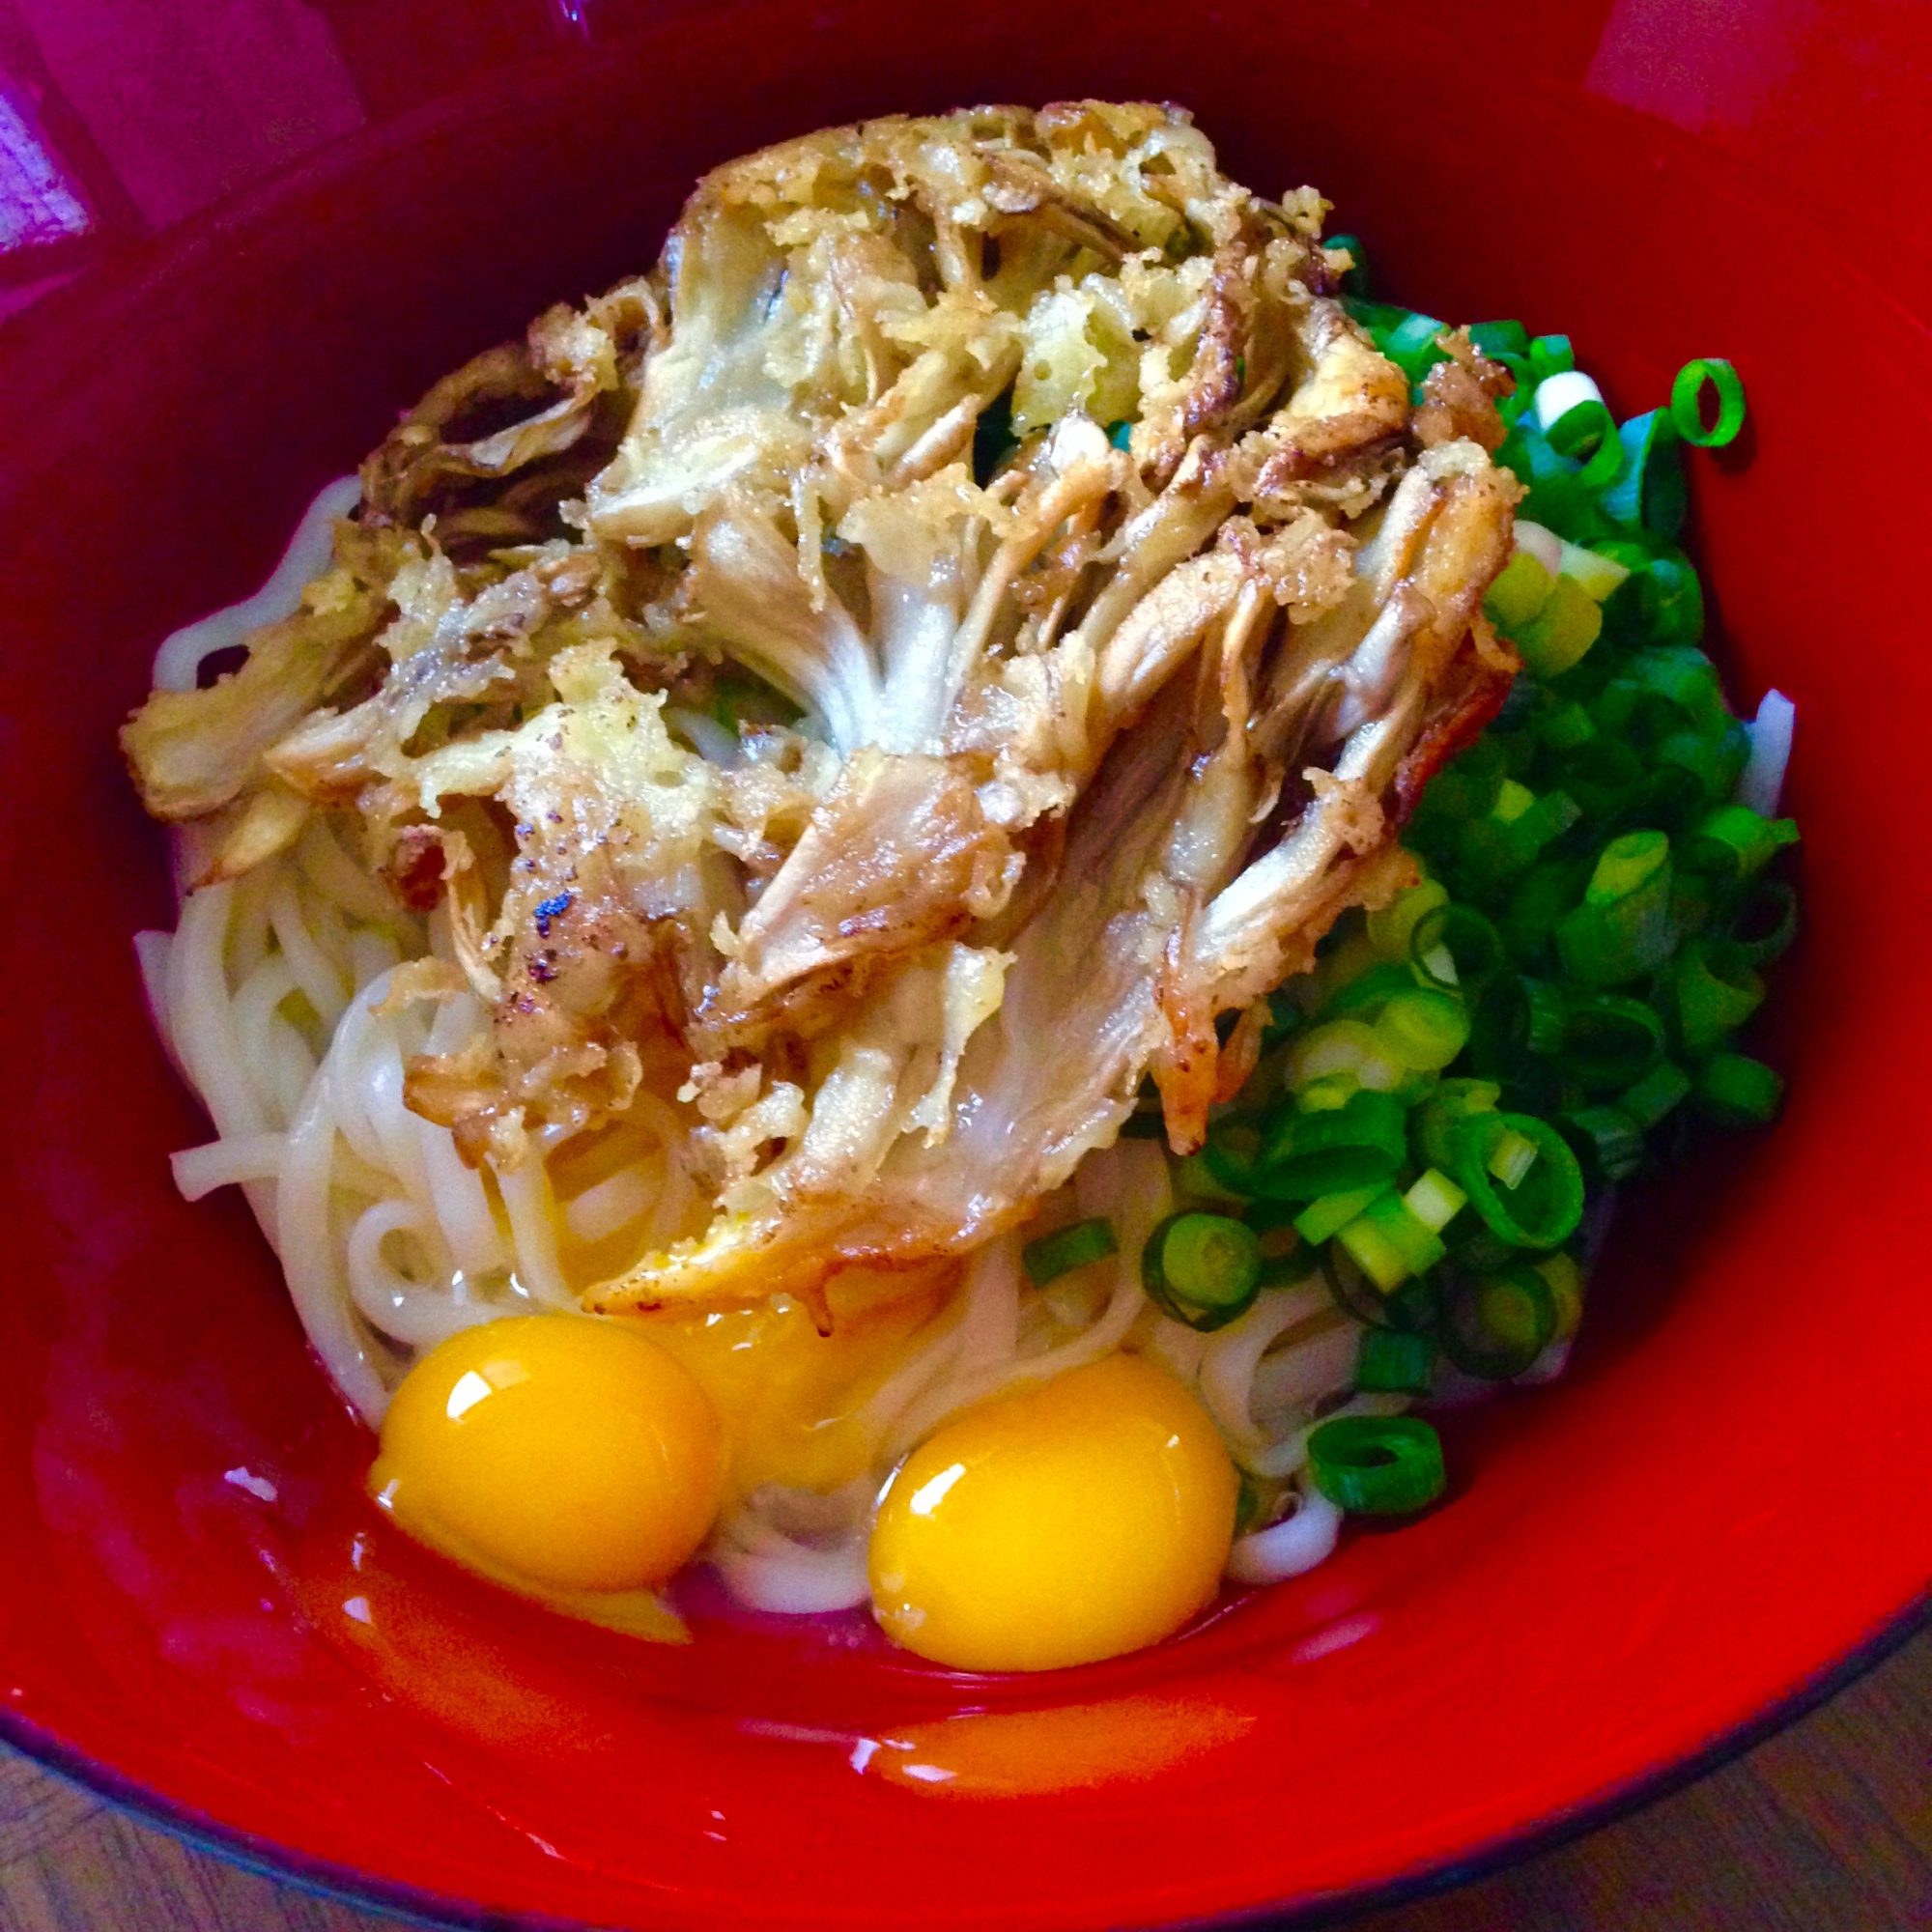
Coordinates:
x,y
269,995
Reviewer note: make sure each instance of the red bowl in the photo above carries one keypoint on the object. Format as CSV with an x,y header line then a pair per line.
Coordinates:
x,y
1722,1505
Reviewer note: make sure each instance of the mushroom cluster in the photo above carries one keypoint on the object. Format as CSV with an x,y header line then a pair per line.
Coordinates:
x,y
884,684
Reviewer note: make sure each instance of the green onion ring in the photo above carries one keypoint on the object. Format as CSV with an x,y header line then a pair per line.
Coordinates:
x,y
1377,1464
1686,402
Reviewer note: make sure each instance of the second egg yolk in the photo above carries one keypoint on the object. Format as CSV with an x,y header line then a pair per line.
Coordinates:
x,y
1065,1523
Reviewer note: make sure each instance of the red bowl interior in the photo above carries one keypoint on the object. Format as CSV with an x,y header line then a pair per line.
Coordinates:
x,y
1723,1500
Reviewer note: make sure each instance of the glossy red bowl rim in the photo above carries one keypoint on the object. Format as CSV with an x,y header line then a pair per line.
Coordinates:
x,y
322,1878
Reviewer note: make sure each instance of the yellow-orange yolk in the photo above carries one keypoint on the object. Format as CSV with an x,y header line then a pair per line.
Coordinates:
x,y
1065,1523
793,1400
568,1454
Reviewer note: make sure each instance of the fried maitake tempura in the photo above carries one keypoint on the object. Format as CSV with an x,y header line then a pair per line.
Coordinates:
x,y
1105,601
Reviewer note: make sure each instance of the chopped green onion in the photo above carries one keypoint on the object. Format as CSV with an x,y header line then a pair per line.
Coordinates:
x,y
1473,945
1203,1269
1391,928
1607,1140
1411,346
1424,1029
1765,923
1496,1325
1623,929
1736,842
1598,573
1066,1249
1513,800
1453,1102
1544,1207
1550,355
1686,402
1391,1244
1498,338
1626,866
1570,412
1715,764
1684,676
1434,1200
1565,1281
1121,434
1391,1361
1738,1091
1413,1307
1305,1155
1511,1157
1715,992
1648,492
1492,849
1341,1046
1565,725
1648,1100
1521,591
1376,1464
1363,997
1209,1176
1322,1219
1547,1010
1561,632
1609,1042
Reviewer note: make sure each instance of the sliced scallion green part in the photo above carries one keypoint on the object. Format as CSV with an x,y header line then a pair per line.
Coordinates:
x,y
1359,1144
1495,1325
1561,632
1376,1464
1609,1042
1391,928
1445,1109
1424,1028
1546,1014
1390,1361
1736,842
1498,338
1550,355
1715,992
1363,997
1686,402
1608,1142
1322,1219
1389,1244
1765,923
1543,1208
1473,945
1564,1279
1649,1099
1648,492
1623,930
1598,571
1203,1269
1738,1091
1341,1046
1434,1200
1066,1249
1511,1156
1519,591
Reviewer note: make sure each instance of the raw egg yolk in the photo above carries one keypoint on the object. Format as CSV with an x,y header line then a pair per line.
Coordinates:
x,y
1059,1525
567,1453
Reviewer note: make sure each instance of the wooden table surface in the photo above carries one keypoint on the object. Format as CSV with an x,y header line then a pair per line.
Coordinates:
x,y
1824,1828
